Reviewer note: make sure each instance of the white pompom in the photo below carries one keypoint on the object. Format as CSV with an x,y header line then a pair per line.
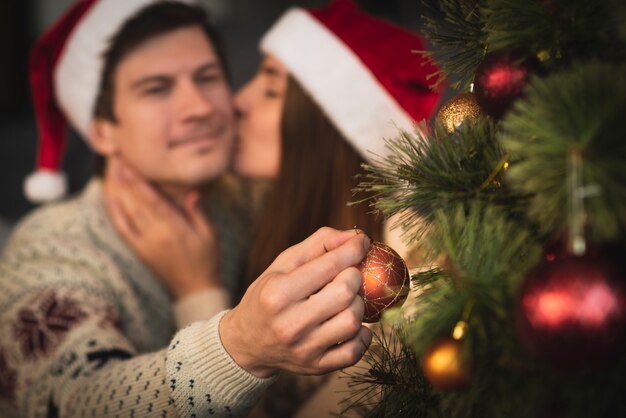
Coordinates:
x,y
45,185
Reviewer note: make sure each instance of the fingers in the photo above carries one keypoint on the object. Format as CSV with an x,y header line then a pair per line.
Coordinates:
x,y
338,296
138,193
334,298
315,274
196,215
347,353
119,193
305,303
341,327
122,222
143,205
322,241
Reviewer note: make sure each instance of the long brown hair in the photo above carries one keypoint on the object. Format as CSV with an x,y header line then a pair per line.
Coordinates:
x,y
314,184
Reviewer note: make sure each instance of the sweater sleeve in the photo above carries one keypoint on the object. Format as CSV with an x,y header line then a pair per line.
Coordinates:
x,y
65,353
69,358
203,378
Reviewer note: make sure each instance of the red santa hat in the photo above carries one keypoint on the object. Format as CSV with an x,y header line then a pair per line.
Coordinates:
x,y
362,71
65,69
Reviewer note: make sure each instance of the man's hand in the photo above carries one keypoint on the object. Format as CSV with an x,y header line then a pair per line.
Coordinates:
x,y
178,244
304,313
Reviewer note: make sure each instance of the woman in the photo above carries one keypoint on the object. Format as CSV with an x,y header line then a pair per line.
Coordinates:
x,y
334,83
314,114
308,121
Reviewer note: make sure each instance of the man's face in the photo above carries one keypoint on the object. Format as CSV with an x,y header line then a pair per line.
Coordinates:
x,y
174,111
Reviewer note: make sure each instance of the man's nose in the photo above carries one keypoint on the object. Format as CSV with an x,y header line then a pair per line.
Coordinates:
x,y
194,103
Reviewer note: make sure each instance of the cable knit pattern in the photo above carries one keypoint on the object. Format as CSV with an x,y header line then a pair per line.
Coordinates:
x,y
87,331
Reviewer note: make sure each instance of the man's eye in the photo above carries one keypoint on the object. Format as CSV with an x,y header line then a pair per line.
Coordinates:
x,y
156,90
208,78
271,94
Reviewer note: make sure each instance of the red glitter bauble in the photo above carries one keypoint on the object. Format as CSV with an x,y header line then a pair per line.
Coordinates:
x,y
500,79
385,280
572,312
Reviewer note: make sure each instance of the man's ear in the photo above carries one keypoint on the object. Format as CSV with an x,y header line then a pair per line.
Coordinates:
x,y
102,138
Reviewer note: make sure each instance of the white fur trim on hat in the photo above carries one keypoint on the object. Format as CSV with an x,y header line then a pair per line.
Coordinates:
x,y
45,185
340,83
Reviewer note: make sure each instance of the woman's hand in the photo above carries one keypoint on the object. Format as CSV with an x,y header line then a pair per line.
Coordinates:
x,y
304,313
179,244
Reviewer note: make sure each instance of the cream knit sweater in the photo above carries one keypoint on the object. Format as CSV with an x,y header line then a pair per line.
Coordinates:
x,y
87,331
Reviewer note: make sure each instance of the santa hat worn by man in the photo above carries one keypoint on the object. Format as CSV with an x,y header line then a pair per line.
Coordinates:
x,y
65,70
363,72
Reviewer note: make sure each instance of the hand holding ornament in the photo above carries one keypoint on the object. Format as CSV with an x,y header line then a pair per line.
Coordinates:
x,y
307,300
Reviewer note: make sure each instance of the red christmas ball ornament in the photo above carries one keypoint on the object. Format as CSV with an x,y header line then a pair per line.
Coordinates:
x,y
385,282
500,79
572,312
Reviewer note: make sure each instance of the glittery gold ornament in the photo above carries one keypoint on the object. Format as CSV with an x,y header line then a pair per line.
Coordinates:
x,y
444,367
385,280
456,110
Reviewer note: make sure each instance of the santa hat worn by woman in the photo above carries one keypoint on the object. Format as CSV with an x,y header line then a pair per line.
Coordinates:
x,y
65,70
365,73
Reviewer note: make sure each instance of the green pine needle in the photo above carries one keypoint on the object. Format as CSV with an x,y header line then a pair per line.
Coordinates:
x,y
391,384
424,174
580,112
562,31
486,228
455,30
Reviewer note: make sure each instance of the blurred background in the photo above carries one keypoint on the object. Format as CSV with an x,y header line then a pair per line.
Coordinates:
x,y
241,22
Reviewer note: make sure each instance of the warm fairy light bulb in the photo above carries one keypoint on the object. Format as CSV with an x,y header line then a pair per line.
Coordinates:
x,y
459,330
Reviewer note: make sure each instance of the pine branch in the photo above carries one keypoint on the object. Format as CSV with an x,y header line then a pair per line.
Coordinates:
x,y
565,148
564,31
520,25
487,248
423,175
561,31
455,30
579,112
620,14
490,254
392,384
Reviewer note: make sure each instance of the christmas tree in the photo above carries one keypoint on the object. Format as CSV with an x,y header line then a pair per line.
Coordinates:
x,y
515,194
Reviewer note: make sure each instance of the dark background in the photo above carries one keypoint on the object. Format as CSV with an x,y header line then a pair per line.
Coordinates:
x,y
241,22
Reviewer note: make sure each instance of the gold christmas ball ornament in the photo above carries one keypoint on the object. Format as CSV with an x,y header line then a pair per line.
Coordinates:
x,y
458,109
444,367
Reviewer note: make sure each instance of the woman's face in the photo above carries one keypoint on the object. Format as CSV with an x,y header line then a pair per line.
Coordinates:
x,y
260,107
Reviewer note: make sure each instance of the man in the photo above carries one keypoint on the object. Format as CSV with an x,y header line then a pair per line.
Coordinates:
x,y
85,328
